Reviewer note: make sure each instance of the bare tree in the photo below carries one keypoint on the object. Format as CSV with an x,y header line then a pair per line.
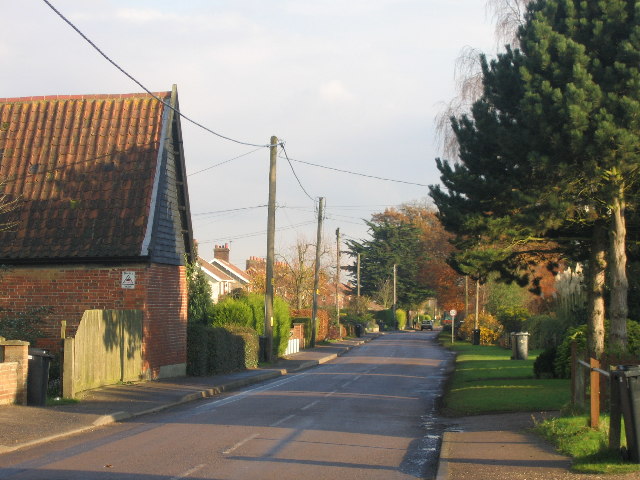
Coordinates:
x,y
508,16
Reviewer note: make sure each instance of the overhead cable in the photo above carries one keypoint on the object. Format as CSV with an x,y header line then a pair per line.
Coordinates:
x,y
226,161
359,174
284,150
128,75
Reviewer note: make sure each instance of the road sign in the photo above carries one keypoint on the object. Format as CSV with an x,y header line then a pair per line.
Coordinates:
x,y
453,313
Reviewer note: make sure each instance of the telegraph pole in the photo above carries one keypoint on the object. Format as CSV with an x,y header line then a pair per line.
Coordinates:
x,y
271,234
338,282
316,276
395,299
358,276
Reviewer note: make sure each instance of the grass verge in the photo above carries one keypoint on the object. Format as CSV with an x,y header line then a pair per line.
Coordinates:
x,y
486,380
572,436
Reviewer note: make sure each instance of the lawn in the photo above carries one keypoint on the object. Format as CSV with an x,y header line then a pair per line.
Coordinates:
x,y
486,380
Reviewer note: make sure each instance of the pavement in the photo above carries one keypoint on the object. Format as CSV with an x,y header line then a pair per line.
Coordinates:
x,y
491,447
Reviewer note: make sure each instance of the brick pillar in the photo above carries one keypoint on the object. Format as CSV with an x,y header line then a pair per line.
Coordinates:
x,y
18,351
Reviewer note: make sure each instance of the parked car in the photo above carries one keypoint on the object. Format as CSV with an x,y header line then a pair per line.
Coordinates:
x,y
426,325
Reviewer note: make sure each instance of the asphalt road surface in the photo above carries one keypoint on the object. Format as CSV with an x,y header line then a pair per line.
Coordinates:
x,y
367,415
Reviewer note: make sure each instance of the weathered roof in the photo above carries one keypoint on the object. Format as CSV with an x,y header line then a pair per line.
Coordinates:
x,y
237,273
82,169
214,271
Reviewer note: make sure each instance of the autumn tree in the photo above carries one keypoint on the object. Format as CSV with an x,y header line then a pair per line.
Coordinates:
x,y
412,238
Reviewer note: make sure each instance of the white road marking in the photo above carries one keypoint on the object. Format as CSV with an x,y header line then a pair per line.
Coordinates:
x,y
240,443
310,405
282,420
246,393
188,472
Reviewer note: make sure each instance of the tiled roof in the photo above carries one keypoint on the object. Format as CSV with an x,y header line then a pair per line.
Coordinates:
x,y
231,269
82,169
214,271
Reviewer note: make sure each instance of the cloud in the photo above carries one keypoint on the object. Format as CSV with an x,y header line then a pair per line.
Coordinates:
x,y
335,92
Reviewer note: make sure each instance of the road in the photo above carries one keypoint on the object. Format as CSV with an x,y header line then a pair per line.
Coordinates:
x,y
367,415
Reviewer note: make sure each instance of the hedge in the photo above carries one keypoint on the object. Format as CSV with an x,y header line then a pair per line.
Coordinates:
x,y
215,350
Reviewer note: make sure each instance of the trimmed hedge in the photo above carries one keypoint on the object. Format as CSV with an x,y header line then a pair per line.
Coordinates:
x,y
215,350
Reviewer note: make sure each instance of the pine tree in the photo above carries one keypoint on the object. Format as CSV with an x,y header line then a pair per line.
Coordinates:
x,y
550,149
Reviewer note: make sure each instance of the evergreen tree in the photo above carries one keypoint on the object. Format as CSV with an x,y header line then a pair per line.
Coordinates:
x,y
549,151
392,242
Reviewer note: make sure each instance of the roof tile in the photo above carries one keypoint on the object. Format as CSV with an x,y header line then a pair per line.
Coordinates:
x,y
82,169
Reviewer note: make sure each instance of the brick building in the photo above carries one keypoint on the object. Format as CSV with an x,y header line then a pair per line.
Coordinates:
x,y
101,219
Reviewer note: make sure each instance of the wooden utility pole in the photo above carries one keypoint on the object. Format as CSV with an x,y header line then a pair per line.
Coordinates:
x,y
271,234
477,302
316,275
466,296
358,276
338,281
395,300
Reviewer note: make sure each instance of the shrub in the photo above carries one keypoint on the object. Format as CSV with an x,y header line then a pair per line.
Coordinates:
x,y
513,319
385,318
545,331
231,311
543,367
255,302
281,326
215,350
490,328
197,349
401,318
562,363
24,326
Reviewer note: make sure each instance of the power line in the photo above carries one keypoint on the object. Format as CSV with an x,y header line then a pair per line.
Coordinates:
x,y
256,234
128,75
226,211
295,174
359,174
226,161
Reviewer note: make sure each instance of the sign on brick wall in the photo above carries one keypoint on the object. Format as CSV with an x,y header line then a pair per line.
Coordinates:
x,y
128,280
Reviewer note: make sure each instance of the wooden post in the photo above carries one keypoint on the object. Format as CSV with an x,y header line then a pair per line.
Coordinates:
x,y
574,378
316,276
271,233
594,381
338,283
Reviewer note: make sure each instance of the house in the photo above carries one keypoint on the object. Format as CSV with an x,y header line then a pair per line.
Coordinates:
x,y
221,261
221,283
102,219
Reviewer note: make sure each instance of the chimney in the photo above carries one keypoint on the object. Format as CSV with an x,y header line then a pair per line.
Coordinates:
x,y
256,263
221,252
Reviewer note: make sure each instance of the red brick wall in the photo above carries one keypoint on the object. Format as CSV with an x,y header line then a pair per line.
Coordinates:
x,y
160,292
13,372
8,383
166,312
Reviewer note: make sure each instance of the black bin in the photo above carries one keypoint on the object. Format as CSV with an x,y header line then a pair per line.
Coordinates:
x,y
38,377
358,330
263,344
476,336
630,402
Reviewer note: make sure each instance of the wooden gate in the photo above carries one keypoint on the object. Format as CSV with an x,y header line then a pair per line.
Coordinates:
x,y
107,349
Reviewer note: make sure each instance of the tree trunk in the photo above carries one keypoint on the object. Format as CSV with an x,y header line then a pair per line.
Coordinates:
x,y
595,290
618,309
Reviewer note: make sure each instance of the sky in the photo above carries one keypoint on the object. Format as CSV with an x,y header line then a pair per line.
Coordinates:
x,y
348,84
